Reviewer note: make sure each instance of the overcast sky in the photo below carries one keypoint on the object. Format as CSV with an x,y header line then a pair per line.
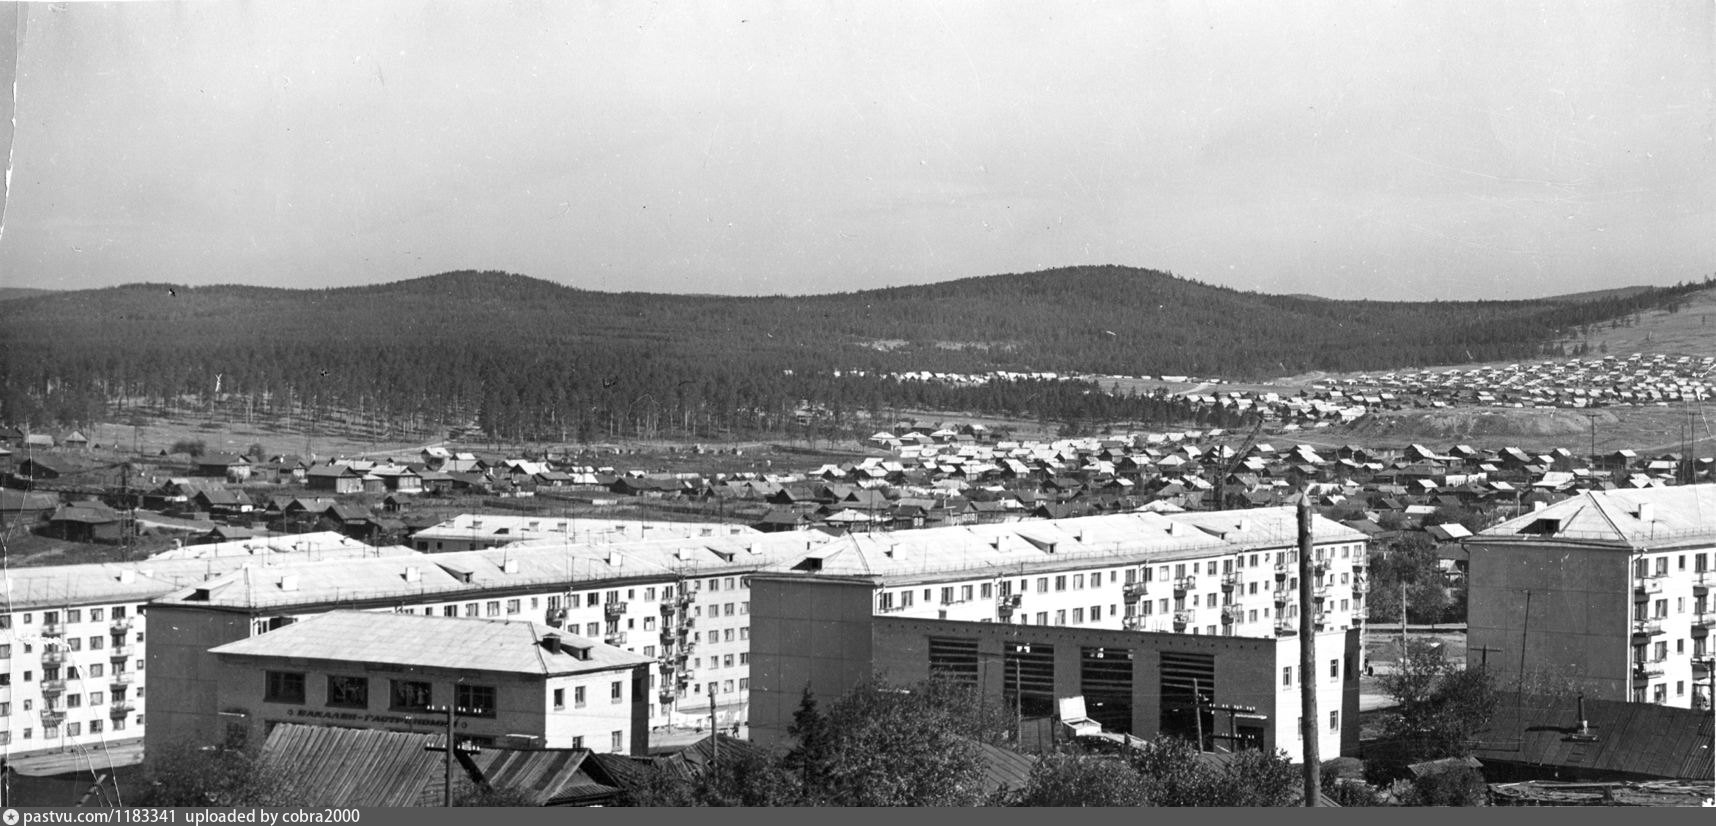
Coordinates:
x,y
1389,150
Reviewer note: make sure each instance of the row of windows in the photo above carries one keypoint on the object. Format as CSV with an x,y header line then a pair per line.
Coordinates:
x,y
1699,605
94,670
1287,672
97,643
345,691
1077,582
96,726
71,615
1659,565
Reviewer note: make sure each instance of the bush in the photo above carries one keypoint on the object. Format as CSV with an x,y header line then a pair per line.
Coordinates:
x,y
193,447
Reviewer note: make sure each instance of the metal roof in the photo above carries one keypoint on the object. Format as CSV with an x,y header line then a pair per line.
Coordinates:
x,y
1639,519
1637,739
415,640
546,776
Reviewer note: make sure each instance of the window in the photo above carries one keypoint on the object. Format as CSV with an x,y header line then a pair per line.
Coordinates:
x,y
474,700
649,651
1078,616
965,592
745,633
726,635
714,584
1287,676
1334,670
616,692
283,686
470,609
74,701
493,607
727,661
1095,613
95,727
744,608
744,659
512,606
1334,721
1042,586
1061,617
95,643
75,643
1061,583
410,695
74,729
559,699
578,696
74,615
1078,582
348,692
616,741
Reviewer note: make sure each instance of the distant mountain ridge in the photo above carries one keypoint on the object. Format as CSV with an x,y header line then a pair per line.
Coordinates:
x,y
458,341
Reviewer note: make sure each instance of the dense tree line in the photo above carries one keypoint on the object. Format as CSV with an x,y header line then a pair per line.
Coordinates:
x,y
522,358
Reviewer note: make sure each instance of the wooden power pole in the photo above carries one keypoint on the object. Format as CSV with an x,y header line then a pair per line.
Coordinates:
x,y
1308,655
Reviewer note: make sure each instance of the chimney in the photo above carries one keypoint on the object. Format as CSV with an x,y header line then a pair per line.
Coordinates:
x,y
1646,512
615,560
289,582
127,575
1244,525
1538,505
551,643
510,566
413,573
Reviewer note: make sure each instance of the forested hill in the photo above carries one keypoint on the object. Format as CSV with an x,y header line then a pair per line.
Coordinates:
x,y
449,344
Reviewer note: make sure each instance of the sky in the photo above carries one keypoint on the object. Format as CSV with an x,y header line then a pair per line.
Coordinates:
x,y
1383,150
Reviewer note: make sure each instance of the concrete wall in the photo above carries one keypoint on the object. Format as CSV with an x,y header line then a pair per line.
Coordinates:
x,y
185,678
524,703
805,633
1580,622
819,633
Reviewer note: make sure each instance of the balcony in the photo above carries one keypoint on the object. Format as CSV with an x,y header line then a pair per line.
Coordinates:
x,y
121,708
53,688
1644,589
1702,580
690,622
1135,591
616,638
53,657
1359,564
555,617
1184,584
53,717
1182,619
121,652
686,598
120,682
1647,628
1361,585
1646,671
1285,628
1701,668
53,629
668,637
668,696
1321,620
1230,581
614,609
1319,566
1702,622
121,625
1320,592
1282,569
1282,597
1132,622
667,609
1229,615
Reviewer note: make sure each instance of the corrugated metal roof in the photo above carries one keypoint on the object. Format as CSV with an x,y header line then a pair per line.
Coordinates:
x,y
356,767
1637,739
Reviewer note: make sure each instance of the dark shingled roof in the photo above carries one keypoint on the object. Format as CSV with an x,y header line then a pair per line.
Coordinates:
x,y
1640,740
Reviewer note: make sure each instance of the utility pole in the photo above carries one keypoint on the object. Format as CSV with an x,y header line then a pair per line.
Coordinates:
x,y
447,781
1307,656
1198,713
714,731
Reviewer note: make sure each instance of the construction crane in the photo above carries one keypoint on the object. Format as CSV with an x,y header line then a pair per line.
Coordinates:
x,y
1238,458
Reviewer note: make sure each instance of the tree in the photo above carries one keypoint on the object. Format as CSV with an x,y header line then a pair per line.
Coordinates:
x,y
1078,779
1439,705
181,774
1176,775
878,745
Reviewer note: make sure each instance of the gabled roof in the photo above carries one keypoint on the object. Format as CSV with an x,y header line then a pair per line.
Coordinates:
x,y
546,777
355,767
